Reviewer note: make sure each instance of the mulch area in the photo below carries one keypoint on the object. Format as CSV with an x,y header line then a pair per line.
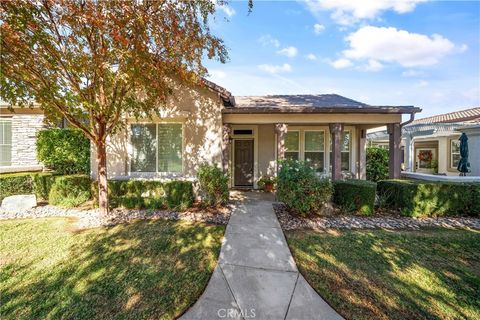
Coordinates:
x,y
89,218
291,221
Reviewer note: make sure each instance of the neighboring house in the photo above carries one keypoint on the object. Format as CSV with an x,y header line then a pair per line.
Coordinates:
x,y
431,144
247,135
18,129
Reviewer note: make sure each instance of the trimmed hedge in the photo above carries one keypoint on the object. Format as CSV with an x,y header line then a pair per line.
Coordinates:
x,y
67,151
377,164
420,198
355,195
301,189
146,194
70,191
38,183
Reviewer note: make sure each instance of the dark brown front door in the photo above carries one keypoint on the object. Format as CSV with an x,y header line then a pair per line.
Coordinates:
x,y
243,163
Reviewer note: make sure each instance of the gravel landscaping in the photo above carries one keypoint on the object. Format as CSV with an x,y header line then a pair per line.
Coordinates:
x,y
293,222
91,218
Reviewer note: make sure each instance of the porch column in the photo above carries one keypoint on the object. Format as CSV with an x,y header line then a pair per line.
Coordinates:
x,y
280,130
395,138
226,132
362,154
336,131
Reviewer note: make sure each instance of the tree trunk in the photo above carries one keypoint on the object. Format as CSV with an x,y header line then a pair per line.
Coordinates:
x,y
102,178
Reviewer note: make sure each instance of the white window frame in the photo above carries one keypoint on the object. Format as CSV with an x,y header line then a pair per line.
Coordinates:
x,y
168,174
452,141
319,150
4,119
299,146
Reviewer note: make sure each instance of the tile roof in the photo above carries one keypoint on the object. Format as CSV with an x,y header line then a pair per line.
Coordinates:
x,y
471,115
308,103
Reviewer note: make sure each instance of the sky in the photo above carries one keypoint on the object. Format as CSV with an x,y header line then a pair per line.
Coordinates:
x,y
380,52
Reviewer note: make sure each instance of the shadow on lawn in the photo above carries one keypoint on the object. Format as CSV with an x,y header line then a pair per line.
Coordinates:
x,y
152,269
401,275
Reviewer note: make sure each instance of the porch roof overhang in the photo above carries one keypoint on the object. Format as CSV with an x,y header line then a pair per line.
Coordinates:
x,y
330,109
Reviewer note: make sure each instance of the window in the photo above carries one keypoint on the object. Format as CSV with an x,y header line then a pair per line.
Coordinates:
x,y
170,147
345,151
5,142
454,153
156,147
292,143
314,147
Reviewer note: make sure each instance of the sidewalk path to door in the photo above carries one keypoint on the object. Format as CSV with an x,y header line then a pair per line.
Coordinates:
x,y
256,277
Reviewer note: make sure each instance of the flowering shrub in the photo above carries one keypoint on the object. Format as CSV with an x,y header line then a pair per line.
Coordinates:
x,y
301,189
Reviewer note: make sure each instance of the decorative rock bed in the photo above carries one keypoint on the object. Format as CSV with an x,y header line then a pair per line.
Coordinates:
x,y
292,222
92,218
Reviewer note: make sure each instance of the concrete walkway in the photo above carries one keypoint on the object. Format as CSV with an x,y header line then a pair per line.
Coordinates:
x,y
256,277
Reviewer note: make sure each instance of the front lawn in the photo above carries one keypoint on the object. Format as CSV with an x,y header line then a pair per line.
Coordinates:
x,y
145,269
378,274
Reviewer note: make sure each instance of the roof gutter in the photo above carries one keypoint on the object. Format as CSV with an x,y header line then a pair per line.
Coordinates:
x,y
412,117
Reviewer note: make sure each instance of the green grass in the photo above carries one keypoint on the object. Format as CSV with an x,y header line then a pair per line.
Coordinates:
x,y
142,270
428,274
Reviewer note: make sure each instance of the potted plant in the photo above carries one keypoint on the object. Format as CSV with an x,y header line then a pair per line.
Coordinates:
x,y
266,183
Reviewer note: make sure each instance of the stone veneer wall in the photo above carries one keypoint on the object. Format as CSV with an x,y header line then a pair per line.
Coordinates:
x,y
24,131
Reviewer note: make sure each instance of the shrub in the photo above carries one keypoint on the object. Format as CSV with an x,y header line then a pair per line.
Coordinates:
x,y
70,191
419,198
145,194
38,183
300,189
355,195
213,184
67,151
377,164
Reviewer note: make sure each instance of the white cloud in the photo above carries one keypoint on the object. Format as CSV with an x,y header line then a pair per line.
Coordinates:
x,y
393,45
348,12
268,40
412,73
275,68
341,63
422,83
229,11
372,65
288,51
318,28
217,74
311,56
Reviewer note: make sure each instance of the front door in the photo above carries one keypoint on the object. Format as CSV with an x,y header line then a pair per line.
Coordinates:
x,y
243,162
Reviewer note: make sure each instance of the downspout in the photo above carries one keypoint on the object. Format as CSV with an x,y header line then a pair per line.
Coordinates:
x,y
412,117
410,148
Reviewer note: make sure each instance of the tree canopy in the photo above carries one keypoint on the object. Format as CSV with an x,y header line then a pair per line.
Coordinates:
x,y
92,62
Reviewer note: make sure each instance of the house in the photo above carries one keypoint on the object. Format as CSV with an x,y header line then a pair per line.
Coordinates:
x,y
248,135
431,144
18,129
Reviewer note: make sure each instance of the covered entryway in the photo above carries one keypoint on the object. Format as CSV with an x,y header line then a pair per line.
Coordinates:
x,y
243,162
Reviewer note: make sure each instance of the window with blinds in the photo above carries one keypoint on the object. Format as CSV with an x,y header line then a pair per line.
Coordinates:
x,y
156,147
292,145
5,142
314,149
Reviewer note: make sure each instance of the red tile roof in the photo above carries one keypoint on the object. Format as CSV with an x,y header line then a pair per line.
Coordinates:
x,y
467,115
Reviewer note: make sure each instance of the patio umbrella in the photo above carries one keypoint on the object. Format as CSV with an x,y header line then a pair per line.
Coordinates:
x,y
463,164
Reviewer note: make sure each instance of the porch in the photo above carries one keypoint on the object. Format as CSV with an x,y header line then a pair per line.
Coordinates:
x,y
252,149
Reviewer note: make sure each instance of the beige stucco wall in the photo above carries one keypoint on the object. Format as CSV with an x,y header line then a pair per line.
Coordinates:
x,y
266,150
199,110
